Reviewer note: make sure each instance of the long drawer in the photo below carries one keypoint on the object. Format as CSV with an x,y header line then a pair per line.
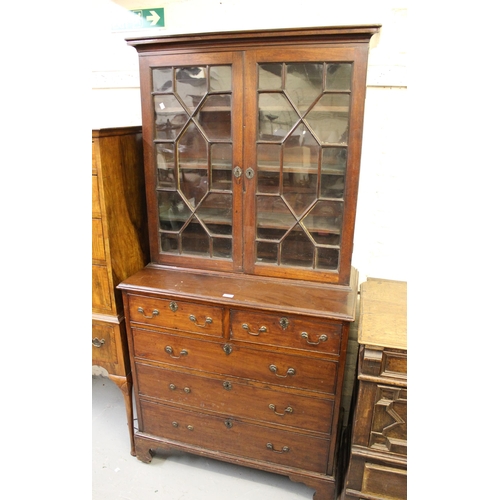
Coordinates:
x,y
229,397
229,359
176,315
285,330
229,435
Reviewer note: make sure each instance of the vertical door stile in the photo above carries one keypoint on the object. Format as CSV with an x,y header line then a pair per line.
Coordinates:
x,y
250,160
238,142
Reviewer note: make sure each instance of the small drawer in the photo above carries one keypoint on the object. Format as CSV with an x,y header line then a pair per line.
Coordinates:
x,y
278,368
372,478
285,330
229,435
96,204
176,315
229,397
103,343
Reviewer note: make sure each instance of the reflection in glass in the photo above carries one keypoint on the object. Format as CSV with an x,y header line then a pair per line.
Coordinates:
x,y
193,164
304,83
276,116
165,164
272,213
221,161
267,252
324,222
162,80
222,247
169,242
328,258
220,78
195,240
270,76
170,116
333,167
329,118
173,210
268,168
297,249
216,213
338,76
214,116
191,85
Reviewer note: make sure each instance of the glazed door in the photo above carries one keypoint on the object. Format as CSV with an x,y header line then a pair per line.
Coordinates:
x,y
303,122
194,123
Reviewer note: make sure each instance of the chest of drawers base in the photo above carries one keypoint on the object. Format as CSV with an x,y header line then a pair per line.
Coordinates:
x,y
377,465
240,370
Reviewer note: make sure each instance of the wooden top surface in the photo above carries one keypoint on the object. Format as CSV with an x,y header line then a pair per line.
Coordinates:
x,y
241,290
383,315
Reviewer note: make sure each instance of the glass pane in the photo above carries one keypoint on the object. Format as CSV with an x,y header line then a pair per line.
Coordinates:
x,y
268,168
270,76
172,210
222,247
222,162
191,85
169,243
328,258
162,80
267,252
300,173
193,164
329,118
338,76
220,78
297,249
170,116
165,165
195,240
276,117
216,213
304,83
214,117
324,222
333,167
273,214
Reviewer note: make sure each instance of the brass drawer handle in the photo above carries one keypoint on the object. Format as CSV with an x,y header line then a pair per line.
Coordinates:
x,y
170,351
97,343
321,338
188,427
208,321
270,446
289,409
173,387
155,313
246,327
274,369
227,348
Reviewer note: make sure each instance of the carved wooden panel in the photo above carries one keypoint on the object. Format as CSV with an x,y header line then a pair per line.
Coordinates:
x,y
388,430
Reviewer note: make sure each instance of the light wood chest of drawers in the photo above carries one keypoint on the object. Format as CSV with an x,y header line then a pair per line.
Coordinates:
x,y
119,246
377,467
239,369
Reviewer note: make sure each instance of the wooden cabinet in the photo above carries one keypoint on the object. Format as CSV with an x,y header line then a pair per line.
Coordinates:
x,y
377,467
238,328
120,246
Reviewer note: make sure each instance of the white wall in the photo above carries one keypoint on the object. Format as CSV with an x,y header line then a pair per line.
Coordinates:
x,y
380,235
